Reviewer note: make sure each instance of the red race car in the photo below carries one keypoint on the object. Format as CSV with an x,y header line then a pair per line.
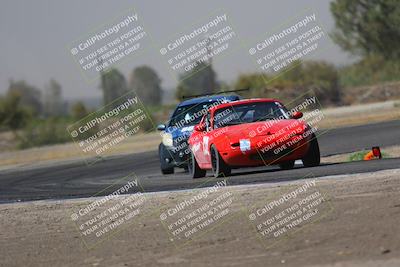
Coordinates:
x,y
250,133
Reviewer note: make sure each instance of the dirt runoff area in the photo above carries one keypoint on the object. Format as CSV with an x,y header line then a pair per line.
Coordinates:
x,y
348,220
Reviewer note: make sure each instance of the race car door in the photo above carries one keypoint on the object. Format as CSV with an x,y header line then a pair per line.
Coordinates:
x,y
203,149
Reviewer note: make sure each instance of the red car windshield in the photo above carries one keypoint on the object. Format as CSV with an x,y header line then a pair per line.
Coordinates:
x,y
249,112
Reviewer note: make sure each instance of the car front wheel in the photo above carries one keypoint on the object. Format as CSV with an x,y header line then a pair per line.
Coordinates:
x,y
166,168
313,157
193,167
219,167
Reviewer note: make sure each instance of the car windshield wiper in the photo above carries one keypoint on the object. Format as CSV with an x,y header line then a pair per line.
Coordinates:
x,y
231,123
264,119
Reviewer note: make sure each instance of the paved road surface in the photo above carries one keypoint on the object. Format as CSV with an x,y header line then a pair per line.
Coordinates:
x,y
79,180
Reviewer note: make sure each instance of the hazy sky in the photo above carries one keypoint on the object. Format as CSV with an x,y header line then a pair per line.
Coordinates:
x,y
35,35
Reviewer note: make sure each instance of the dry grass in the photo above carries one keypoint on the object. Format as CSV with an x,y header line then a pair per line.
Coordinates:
x,y
47,154
360,114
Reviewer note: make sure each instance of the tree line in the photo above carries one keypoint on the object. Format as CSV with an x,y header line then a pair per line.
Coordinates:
x,y
38,117
367,29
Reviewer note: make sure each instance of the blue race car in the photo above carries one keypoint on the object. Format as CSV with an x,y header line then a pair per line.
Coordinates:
x,y
174,149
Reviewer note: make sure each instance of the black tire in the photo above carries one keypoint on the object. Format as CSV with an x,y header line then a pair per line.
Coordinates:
x,y
193,167
166,168
313,157
186,168
287,165
219,167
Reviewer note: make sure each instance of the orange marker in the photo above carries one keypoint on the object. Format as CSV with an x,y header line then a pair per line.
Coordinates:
x,y
375,153
369,156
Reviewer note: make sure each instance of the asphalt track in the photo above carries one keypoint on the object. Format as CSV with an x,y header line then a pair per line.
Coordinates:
x,y
71,180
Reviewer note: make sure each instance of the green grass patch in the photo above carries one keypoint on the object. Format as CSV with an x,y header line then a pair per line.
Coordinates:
x,y
359,155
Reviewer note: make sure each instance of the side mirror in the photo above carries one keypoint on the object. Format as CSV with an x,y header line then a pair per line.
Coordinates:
x,y
199,128
161,127
297,115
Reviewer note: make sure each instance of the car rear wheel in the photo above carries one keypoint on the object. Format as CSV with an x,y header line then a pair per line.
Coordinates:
x,y
166,168
193,167
287,165
313,157
219,167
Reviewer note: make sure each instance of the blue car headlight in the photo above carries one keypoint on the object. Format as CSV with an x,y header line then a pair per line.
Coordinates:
x,y
167,139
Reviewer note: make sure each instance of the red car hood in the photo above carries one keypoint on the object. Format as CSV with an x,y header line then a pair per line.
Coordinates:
x,y
276,127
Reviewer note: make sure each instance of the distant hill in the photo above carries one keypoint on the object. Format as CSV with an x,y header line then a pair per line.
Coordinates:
x,y
90,103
